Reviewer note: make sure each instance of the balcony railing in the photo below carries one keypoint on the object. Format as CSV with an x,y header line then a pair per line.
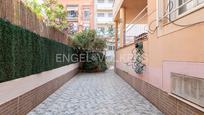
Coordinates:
x,y
135,31
72,18
104,20
104,6
136,28
172,10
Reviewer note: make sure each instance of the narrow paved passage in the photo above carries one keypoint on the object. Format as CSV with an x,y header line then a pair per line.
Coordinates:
x,y
96,94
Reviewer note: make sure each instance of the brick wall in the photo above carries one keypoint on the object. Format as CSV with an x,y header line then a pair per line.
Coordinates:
x,y
23,104
17,13
164,102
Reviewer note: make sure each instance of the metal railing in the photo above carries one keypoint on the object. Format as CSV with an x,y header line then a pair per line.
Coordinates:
x,y
135,28
172,10
138,18
172,7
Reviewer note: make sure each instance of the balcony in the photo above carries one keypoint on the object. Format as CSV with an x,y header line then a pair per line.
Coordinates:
x,y
131,20
72,18
104,20
132,7
134,28
135,32
104,6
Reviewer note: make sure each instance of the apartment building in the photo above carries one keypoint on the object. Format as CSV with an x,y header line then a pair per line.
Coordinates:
x,y
80,13
103,16
104,24
168,36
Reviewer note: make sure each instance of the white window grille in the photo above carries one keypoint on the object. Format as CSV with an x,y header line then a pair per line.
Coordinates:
x,y
174,8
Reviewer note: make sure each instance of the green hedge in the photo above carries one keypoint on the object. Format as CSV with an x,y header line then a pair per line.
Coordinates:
x,y
94,62
23,53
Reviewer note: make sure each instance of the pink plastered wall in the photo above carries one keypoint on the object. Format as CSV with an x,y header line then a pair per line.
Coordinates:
x,y
186,68
124,62
158,77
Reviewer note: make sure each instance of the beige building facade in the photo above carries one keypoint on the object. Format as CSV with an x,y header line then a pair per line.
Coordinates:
x,y
80,13
103,16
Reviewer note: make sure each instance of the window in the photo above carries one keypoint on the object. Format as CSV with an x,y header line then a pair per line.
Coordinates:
x,y
100,1
86,13
110,1
110,48
72,14
188,87
185,5
72,11
100,14
102,29
110,15
113,47
182,6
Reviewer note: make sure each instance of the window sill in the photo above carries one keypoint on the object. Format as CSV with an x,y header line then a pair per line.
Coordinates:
x,y
187,102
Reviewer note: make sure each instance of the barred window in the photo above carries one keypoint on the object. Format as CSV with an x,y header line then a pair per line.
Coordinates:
x,y
182,6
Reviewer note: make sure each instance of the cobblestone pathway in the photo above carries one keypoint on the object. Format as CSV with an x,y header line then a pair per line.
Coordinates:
x,y
96,94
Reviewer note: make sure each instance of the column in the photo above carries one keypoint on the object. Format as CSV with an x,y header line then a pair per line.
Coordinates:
x,y
122,27
116,35
116,42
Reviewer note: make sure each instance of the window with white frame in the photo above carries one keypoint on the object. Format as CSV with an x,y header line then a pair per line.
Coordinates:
x,y
110,48
101,29
100,14
100,1
72,11
110,1
186,7
181,6
110,15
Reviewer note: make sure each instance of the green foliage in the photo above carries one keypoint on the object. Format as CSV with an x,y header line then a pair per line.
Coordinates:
x,y
111,31
54,12
95,62
106,32
89,44
88,40
99,44
35,6
23,53
139,65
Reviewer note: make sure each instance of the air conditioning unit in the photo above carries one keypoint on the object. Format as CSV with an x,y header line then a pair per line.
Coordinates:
x,y
188,87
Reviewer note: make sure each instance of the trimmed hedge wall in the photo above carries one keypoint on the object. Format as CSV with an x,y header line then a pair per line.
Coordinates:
x,y
94,62
23,53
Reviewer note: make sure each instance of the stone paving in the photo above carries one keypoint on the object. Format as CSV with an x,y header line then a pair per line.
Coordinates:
x,y
96,94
